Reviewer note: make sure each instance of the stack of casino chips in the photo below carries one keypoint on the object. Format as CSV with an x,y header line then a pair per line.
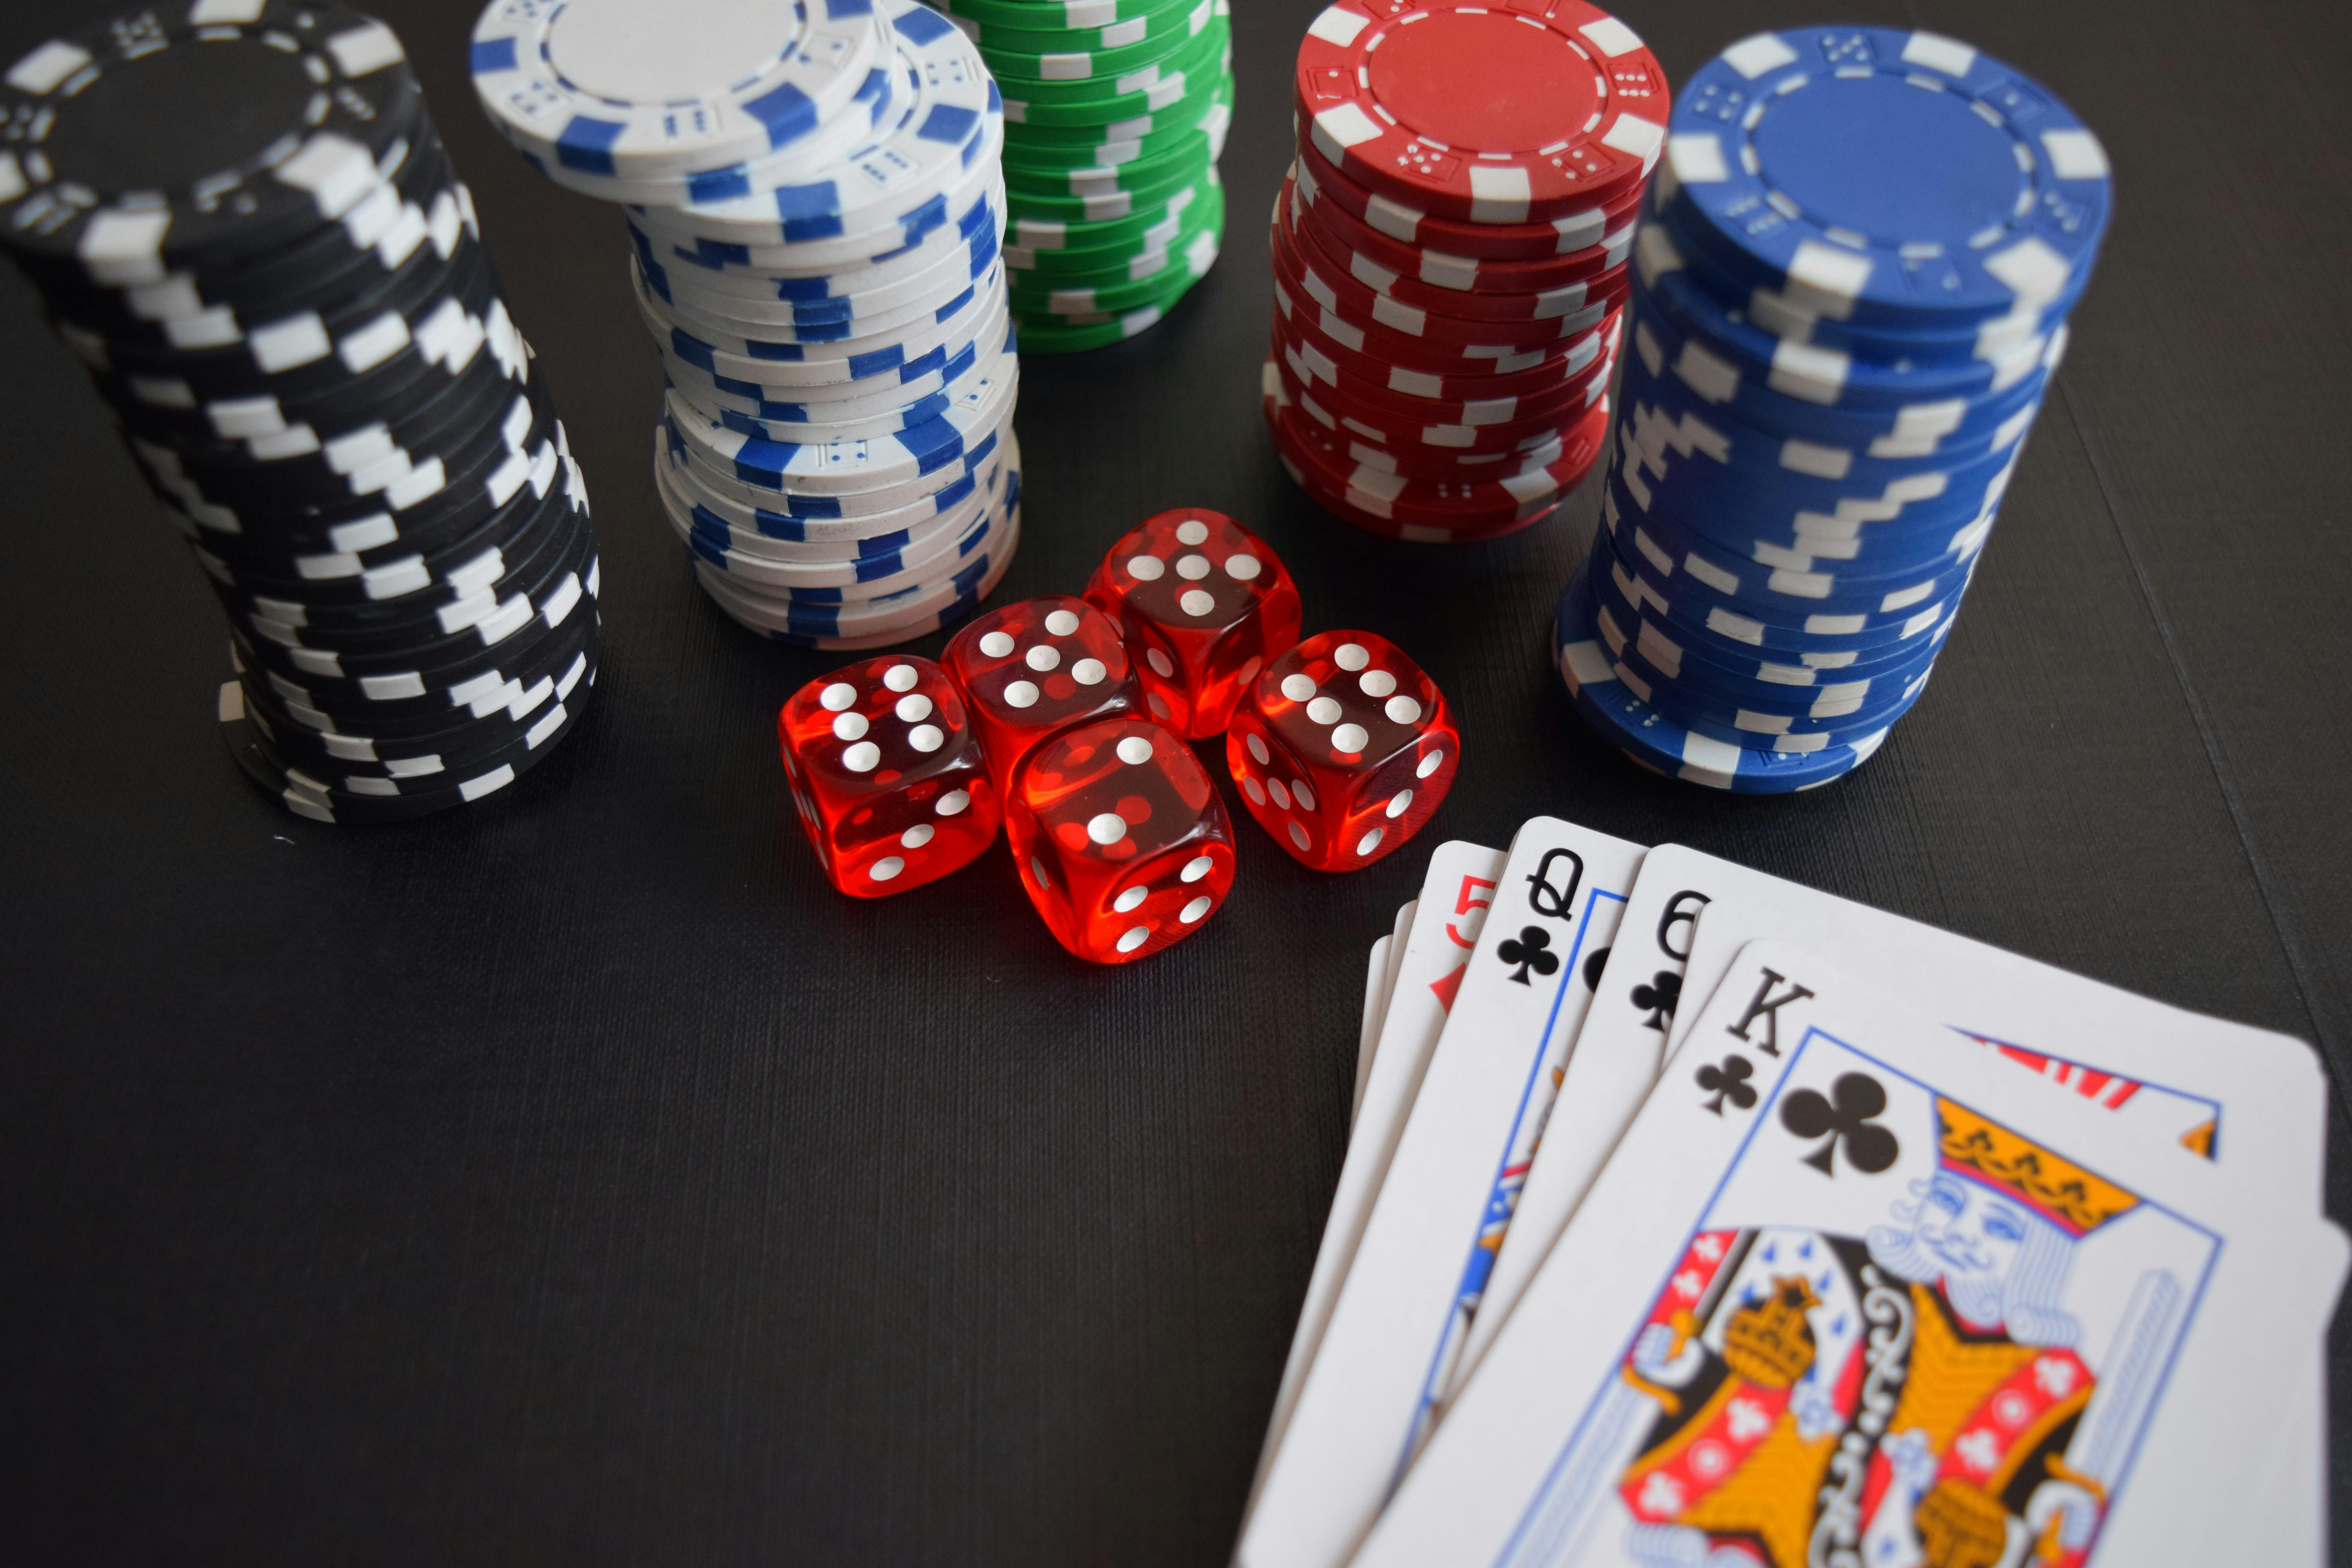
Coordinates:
x,y
1852,281
816,210
1115,112
1450,257
240,218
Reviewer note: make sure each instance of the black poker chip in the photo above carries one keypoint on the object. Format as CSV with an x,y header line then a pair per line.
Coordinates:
x,y
242,222
180,135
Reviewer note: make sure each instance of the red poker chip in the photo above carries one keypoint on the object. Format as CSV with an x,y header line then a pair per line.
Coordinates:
x,y
1346,450
1470,502
1407,225
1522,375
1487,113
1412,533
1433,269
1337,431
1329,285
1350,317
1333,402
1573,302
1314,368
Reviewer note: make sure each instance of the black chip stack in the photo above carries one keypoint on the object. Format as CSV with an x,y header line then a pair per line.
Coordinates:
x,y
242,221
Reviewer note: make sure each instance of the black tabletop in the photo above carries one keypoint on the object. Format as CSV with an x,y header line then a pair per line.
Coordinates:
x,y
580,1179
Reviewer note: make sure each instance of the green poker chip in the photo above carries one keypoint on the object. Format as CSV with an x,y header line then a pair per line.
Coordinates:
x,y
1108,203
1066,16
1164,19
1168,90
1044,236
1113,272
1041,163
1078,65
1042,333
1182,165
1204,90
1107,87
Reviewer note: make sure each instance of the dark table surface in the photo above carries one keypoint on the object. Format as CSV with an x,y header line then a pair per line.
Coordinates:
x,y
579,1179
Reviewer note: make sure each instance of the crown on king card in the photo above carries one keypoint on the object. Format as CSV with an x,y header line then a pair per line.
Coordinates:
x,y
1767,1342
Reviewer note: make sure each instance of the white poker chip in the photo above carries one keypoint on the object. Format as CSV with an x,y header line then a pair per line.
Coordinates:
x,y
620,88
945,117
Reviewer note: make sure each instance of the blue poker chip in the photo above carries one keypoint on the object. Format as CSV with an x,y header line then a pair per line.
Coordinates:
x,y
1738,667
1802,368
1778,597
1885,176
1691,607
1666,420
1797,321
1851,568
1773,726
1590,672
1826,701
1786,407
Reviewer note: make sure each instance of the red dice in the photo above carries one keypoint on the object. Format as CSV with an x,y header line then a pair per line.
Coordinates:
x,y
1123,845
888,775
1342,748
1037,667
1205,604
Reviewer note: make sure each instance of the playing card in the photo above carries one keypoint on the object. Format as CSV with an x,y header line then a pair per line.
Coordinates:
x,y
1854,1289
1614,1063
1376,975
2234,1094
2224,1090
1446,920
1369,1396
1388,953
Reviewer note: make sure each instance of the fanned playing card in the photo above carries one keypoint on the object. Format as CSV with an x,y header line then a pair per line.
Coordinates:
x,y
1614,1062
1446,919
1413,1290
1852,1289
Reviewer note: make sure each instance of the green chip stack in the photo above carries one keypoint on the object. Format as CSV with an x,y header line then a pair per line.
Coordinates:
x,y
1115,112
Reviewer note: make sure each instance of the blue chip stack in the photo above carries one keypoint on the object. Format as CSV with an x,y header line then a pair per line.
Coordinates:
x,y
815,204
1851,287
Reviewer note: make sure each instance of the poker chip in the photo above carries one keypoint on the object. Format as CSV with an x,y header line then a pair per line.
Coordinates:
x,y
1115,115
816,207
1594,675
1848,294
1482,113
241,219
1452,254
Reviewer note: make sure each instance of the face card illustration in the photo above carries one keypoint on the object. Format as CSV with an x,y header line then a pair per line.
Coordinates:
x,y
1414,1286
1446,920
1851,1292
1610,1068
2214,1089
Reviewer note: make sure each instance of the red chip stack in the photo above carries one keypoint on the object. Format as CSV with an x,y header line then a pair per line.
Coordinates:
x,y
1449,258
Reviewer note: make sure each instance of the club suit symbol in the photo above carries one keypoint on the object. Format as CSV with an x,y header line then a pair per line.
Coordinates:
x,y
1531,949
1846,1117
1658,998
1728,1080
1594,962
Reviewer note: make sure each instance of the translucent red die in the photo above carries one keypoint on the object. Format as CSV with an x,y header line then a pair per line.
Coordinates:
x,y
1205,605
1342,750
888,775
1123,845
1037,667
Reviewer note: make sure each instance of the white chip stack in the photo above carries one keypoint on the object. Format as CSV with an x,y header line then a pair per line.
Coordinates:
x,y
816,207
